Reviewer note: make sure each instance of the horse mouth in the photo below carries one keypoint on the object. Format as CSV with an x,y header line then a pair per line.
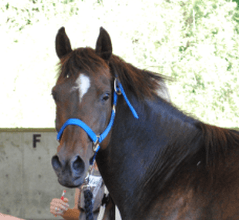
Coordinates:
x,y
71,182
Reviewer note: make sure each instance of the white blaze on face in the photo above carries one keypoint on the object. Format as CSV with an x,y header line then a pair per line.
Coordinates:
x,y
83,84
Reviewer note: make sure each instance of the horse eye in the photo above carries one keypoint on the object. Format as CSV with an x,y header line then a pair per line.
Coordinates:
x,y
106,97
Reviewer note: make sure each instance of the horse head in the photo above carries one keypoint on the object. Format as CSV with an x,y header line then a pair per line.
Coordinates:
x,y
83,91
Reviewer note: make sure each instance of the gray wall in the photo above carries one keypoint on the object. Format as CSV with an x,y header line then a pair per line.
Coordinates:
x,y
27,180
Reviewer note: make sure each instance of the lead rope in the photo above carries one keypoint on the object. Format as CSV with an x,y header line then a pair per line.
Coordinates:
x,y
88,196
88,204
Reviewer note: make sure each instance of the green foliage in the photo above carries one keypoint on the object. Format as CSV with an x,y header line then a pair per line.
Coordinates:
x,y
19,14
195,42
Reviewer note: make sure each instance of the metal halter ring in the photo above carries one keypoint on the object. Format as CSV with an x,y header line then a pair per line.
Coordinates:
x,y
116,88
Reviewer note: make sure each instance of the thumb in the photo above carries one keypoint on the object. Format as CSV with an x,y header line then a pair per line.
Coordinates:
x,y
65,200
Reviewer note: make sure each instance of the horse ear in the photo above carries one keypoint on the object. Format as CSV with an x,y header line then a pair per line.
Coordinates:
x,y
103,45
63,45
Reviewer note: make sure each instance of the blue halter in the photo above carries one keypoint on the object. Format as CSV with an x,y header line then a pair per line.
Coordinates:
x,y
97,139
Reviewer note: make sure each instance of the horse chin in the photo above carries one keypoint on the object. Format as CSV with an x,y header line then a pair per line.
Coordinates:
x,y
71,182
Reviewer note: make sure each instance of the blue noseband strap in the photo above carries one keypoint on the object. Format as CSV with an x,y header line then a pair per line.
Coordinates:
x,y
97,139
78,122
87,129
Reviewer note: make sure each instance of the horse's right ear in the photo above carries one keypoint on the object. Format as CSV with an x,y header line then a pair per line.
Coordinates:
x,y
63,45
103,45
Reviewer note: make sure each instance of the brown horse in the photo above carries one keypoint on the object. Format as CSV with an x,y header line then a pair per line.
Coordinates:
x,y
162,164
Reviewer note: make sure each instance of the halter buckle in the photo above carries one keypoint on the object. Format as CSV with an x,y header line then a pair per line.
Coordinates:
x,y
114,108
85,187
96,143
85,184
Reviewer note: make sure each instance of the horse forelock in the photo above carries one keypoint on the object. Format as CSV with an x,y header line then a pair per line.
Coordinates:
x,y
81,59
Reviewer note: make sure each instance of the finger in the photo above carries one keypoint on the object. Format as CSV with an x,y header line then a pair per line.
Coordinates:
x,y
56,211
63,203
58,202
55,201
59,207
61,212
53,210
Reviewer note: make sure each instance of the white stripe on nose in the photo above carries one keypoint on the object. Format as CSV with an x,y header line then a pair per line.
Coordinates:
x,y
83,84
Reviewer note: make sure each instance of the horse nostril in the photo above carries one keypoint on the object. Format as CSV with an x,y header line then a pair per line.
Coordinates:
x,y
78,164
56,162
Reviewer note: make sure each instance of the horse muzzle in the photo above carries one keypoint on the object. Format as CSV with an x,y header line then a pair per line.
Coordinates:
x,y
70,173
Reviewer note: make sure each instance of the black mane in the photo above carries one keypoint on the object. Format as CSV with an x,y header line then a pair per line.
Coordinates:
x,y
142,83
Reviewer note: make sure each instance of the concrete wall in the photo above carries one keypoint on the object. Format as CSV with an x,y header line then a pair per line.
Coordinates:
x,y
27,180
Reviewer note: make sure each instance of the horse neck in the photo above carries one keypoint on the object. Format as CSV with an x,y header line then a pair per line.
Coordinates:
x,y
137,147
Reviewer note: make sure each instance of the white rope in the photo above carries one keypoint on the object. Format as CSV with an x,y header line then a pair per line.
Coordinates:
x,y
101,213
117,213
102,208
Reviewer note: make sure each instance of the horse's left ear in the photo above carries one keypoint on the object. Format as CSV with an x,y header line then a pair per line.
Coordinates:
x,y
103,45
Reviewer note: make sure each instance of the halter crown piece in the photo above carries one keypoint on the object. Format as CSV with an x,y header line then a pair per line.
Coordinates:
x,y
97,139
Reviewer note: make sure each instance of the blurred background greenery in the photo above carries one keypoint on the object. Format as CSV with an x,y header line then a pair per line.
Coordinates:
x,y
196,42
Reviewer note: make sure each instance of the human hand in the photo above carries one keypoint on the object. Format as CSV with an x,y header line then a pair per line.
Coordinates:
x,y
58,206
